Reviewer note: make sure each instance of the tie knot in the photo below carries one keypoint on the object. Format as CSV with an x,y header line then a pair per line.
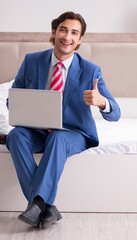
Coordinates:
x,y
59,65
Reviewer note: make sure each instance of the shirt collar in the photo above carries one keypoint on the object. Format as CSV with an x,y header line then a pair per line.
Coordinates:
x,y
66,63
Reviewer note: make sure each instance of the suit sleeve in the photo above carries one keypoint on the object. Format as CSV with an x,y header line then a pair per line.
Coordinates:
x,y
115,113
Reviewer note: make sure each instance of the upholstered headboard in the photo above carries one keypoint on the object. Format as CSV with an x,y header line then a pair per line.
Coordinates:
x,y
116,53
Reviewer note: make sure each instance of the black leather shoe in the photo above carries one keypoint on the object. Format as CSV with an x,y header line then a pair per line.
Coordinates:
x,y
31,215
50,216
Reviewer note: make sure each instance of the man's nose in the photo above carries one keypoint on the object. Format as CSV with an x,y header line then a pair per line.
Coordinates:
x,y
67,35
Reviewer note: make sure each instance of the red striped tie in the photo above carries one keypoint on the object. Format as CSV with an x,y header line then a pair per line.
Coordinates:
x,y
57,79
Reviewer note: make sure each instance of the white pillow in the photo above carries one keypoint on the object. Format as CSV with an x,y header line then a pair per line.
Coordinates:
x,y
4,115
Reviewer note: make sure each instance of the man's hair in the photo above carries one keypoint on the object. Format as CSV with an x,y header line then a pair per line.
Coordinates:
x,y
68,15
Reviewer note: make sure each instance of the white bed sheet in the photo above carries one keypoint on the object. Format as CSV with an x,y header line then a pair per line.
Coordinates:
x,y
116,137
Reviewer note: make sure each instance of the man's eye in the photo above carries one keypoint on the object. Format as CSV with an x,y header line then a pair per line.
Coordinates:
x,y
62,30
74,33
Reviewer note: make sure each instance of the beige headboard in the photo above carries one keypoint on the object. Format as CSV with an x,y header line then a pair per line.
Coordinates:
x,y
116,53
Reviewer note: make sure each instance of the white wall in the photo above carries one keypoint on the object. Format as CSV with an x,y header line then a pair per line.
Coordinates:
x,y
36,15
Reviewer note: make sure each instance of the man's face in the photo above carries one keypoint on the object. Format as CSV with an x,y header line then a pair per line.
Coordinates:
x,y
67,37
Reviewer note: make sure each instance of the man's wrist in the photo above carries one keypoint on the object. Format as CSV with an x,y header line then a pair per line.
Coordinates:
x,y
106,107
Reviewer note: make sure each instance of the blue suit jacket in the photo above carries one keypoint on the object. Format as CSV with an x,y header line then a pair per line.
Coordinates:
x,y
33,74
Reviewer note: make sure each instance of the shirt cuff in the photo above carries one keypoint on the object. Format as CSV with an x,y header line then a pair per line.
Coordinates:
x,y
107,108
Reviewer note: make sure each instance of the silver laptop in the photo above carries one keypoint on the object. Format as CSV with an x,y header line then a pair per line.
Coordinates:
x,y
35,108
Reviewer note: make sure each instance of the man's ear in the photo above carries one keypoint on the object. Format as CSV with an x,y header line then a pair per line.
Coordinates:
x,y
53,32
80,40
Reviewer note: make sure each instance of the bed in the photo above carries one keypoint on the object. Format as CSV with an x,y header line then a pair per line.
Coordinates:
x,y
100,179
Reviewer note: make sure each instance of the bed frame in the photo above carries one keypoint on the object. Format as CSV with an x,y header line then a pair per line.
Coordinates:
x,y
90,183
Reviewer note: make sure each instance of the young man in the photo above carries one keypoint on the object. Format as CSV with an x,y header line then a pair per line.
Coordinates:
x,y
83,86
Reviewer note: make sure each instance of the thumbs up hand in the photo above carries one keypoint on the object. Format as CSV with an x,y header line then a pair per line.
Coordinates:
x,y
94,98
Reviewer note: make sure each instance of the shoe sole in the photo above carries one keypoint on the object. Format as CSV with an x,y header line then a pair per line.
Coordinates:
x,y
46,224
26,220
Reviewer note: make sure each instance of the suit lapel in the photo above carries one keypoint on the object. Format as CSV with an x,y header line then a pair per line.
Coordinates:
x,y
43,70
72,80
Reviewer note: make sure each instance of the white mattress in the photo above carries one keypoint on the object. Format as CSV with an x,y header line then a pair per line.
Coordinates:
x,y
115,137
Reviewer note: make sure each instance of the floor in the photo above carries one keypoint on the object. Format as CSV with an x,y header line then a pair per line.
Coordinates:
x,y
73,226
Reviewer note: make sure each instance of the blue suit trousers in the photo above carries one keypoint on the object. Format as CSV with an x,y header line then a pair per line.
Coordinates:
x,y
42,179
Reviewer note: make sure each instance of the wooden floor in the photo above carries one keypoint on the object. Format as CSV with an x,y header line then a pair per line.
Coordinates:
x,y
73,226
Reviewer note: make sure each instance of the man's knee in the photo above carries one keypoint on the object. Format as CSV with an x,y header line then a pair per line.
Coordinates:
x,y
13,135
15,131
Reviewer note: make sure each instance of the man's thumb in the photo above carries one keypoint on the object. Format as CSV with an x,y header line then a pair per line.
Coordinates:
x,y
95,85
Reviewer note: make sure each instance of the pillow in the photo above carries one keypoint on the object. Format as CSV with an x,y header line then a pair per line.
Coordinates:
x,y
4,115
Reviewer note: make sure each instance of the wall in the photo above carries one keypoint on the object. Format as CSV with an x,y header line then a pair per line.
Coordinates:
x,y
36,15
